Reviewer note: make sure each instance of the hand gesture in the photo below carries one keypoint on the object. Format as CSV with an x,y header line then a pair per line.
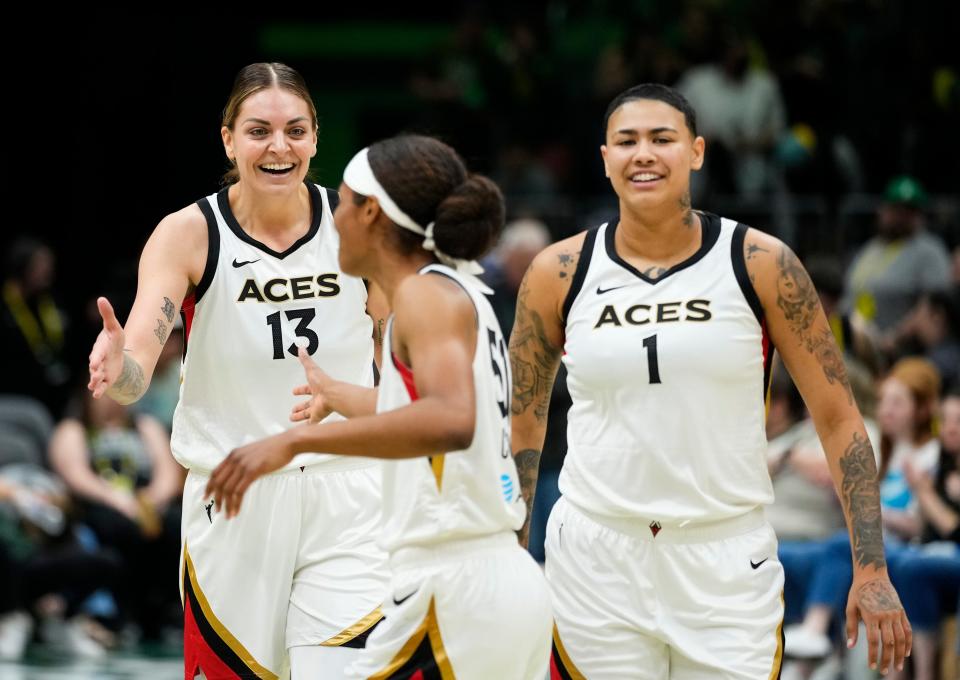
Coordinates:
x,y
317,407
242,467
106,357
876,602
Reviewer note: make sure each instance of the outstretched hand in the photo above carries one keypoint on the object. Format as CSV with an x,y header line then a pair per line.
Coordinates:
x,y
231,479
317,407
106,357
888,631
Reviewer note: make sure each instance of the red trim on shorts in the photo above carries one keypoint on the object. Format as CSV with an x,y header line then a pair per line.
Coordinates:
x,y
197,654
407,374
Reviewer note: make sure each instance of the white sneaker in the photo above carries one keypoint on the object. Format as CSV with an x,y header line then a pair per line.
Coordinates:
x,y
71,638
15,630
801,643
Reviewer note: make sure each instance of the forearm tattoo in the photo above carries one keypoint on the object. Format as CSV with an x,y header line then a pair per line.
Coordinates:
x,y
798,300
161,331
861,498
533,359
528,467
168,309
130,384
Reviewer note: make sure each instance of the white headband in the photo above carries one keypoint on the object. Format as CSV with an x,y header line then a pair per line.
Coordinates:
x,y
359,176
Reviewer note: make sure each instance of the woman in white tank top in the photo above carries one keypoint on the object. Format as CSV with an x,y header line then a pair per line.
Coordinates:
x,y
467,601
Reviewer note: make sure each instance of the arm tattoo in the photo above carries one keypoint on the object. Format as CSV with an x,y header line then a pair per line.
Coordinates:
x,y
129,385
798,300
685,207
167,309
161,331
861,497
533,360
528,467
566,261
753,249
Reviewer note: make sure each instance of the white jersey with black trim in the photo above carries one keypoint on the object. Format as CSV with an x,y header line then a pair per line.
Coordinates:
x,y
668,378
457,494
243,323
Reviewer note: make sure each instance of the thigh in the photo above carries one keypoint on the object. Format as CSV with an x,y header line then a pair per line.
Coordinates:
x,y
604,601
341,576
723,605
236,577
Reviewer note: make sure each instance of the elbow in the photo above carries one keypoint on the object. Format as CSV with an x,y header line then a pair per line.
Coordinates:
x,y
458,435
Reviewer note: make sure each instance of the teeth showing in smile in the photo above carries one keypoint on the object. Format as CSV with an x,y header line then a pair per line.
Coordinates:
x,y
644,177
277,168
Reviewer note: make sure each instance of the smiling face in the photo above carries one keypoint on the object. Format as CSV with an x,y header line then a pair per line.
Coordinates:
x,y
272,140
649,154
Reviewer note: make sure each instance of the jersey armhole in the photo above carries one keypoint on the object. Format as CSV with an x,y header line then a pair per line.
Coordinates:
x,y
213,249
333,199
580,273
740,271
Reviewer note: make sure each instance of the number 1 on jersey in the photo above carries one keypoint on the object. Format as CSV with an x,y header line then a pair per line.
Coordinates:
x,y
650,343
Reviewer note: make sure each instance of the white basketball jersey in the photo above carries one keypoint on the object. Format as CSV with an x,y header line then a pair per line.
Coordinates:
x,y
243,323
668,378
458,494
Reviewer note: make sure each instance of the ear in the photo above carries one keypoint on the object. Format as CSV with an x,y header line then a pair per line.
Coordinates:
x,y
699,146
603,154
227,138
313,150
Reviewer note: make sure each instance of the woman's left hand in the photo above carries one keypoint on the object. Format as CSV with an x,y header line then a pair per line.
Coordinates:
x,y
242,467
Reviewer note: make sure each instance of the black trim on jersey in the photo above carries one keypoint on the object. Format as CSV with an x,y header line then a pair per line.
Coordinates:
x,y
740,270
213,250
333,198
476,312
316,203
580,273
709,233
216,644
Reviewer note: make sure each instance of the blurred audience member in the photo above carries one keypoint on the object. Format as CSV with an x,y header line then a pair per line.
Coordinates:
x,y
120,467
520,242
32,327
902,262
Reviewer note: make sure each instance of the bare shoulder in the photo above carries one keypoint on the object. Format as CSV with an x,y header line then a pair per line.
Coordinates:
x,y
180,241
433,299
559,260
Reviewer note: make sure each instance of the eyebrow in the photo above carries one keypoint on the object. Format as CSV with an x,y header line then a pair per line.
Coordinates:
x,y
261,121
653,131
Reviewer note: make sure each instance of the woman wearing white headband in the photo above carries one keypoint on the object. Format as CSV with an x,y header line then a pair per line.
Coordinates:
x,y
466,601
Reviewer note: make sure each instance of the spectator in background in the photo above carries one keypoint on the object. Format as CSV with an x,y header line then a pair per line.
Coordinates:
x,y
741,111
934,326
25,429
521,241
120,468
32,327
929,575
902,262
44,571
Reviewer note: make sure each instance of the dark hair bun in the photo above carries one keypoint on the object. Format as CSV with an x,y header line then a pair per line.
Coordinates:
x,y
469,220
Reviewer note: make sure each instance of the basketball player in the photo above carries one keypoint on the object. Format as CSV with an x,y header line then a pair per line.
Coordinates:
x,y
254,271
659,560
466,601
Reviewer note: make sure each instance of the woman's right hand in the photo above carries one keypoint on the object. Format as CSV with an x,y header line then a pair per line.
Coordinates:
x,y
106,357
317,407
